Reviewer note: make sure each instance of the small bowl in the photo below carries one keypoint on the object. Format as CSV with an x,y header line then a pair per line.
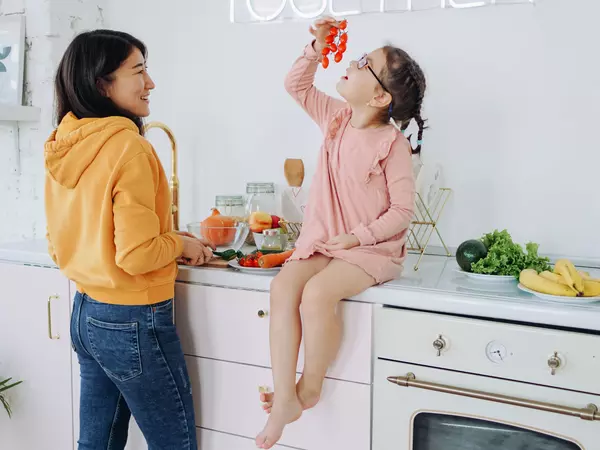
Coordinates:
x,y
259,239
223,237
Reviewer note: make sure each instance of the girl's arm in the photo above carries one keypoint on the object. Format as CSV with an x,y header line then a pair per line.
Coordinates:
x,y
401,187
299,84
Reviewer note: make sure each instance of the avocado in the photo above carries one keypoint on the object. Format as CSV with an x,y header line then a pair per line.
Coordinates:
x,y
469,252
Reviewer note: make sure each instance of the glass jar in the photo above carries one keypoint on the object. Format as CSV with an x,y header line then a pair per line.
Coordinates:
x,y
271,240
230,205
261,197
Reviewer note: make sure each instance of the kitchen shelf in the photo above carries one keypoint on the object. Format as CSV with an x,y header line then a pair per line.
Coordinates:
x,y
16,113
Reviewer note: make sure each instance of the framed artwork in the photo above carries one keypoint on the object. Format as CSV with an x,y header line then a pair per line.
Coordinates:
x,y
12,59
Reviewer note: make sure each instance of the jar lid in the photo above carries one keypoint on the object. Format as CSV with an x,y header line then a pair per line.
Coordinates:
x,y
260,188
229,200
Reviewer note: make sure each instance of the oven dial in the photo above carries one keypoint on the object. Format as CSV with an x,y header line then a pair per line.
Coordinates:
x,y
496,352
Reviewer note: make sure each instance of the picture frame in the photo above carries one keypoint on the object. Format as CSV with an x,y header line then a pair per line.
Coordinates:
x,y
12,59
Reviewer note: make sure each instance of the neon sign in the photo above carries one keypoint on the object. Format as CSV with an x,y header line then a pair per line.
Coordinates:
x,y
249,11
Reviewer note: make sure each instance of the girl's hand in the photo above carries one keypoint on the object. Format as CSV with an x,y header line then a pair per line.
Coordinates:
x,y
342,242
320,30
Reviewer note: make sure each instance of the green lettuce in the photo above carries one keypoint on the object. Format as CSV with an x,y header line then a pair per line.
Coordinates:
x,y
505,257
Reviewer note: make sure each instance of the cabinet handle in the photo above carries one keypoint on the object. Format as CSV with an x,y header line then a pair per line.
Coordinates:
x,y
264,389
439,344
554,362
262,314
50,335
409,380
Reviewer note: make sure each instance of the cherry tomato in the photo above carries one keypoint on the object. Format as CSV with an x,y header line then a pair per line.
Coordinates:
x,y
325,51
333,31
329,39
344,38
338,57
333,47
325,62
342,47
343,24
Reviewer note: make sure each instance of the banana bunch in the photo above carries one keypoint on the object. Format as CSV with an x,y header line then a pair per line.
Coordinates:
x,y
565,281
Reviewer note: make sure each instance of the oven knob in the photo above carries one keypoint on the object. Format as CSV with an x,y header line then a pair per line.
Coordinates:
x,y
439,344
554,362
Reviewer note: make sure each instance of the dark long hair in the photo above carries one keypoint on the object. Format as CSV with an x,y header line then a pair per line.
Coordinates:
x,y
406,82
89,60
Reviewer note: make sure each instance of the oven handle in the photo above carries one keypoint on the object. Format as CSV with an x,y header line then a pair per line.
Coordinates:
x,y
588,413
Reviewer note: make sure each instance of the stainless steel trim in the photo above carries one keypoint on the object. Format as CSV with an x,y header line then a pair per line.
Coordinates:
x,y
590,412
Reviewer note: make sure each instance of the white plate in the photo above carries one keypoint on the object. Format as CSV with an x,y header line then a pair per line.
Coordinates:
x,y
488,278
561,299
254,270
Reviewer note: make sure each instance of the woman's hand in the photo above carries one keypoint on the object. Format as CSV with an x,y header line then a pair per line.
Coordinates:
x,y
342,242
320,30
195,251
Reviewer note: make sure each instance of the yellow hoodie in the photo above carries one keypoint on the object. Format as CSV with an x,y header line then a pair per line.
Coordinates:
x,y
108,212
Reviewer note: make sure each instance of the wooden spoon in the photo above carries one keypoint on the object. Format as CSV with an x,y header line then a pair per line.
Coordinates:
x,y
294,172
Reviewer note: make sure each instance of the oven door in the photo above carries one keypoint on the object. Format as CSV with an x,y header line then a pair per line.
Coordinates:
x,y
444,410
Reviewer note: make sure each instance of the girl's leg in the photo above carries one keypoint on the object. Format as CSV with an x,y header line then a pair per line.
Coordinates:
x,y
285,337
323,324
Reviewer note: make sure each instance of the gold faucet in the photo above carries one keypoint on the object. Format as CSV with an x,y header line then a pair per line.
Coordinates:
x,y
174,183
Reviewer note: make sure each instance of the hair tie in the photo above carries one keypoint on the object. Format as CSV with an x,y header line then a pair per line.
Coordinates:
x,y
420,142
390,108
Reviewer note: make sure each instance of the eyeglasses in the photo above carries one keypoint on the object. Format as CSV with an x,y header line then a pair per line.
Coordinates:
x,y
364,62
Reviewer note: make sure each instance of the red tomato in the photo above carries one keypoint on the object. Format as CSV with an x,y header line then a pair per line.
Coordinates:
x,y
325,62
343,24
333,47
333,31
338,57
342,47
344,38
329,39
325,51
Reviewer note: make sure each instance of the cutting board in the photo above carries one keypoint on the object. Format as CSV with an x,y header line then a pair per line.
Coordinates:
x,y
217,262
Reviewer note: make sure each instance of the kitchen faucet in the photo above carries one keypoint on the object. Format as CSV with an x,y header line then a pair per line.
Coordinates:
x,y
174,182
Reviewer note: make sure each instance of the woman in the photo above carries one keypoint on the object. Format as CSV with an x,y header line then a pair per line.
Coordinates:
x,y
110,231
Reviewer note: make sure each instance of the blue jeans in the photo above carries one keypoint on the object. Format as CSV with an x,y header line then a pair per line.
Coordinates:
x,y
131,362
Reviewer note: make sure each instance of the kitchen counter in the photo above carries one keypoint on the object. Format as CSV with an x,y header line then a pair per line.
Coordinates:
x,y
435,287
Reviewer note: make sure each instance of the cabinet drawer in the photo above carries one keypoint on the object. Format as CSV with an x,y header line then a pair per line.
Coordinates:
x,y
501,350
213,440
233,325
226,399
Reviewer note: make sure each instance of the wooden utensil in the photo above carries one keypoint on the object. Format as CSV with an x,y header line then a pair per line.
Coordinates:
x,y
294,172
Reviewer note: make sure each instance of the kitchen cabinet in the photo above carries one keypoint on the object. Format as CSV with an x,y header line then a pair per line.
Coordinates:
x,y
35,347
212,440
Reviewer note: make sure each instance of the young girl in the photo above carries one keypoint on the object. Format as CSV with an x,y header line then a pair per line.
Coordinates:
x,y
110,230
360,205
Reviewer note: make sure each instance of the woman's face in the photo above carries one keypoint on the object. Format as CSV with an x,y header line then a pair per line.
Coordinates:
x,y
131,85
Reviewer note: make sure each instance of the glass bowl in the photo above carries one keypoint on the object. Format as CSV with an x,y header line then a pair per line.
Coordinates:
x,y
223,237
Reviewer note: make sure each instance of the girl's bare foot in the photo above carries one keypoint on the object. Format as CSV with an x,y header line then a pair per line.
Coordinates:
x,y
307,395
281,415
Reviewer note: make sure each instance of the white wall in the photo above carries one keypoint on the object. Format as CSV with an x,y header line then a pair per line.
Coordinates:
x,y
513,105
50,25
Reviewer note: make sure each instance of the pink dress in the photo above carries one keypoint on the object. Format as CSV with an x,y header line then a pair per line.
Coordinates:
x,y
363,185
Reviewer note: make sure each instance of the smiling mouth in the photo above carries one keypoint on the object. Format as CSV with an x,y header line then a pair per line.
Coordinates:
x,y
145,98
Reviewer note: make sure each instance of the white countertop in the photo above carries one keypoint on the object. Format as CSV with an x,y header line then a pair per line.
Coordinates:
x,y
436,287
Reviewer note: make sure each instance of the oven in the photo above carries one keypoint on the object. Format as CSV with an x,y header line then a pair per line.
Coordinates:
x,y
453,383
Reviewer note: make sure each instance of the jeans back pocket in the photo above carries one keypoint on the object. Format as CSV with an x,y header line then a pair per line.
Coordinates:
x,y
116,348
